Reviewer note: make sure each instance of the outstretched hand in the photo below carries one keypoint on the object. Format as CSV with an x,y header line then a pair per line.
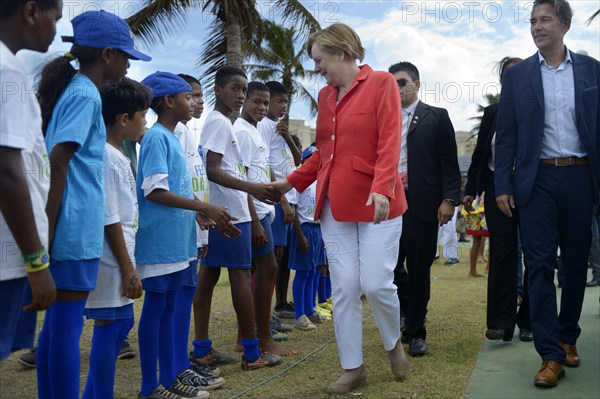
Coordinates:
x,y
282,186
266,193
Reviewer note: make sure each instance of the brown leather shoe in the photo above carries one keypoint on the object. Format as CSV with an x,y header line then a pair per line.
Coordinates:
x,y
549,374
572,359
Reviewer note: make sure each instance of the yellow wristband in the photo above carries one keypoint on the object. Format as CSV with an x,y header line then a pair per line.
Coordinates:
x,y
37,269
42,262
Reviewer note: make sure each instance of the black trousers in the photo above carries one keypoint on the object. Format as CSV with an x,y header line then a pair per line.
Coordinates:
x,y
502,278
417,251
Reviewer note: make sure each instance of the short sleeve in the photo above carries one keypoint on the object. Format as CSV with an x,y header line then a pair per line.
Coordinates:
x,y
111,189
245,144
155,151
217,132
13,114
79,112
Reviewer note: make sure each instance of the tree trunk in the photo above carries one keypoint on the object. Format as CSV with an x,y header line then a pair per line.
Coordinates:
x,y
286,81
234,43
234,50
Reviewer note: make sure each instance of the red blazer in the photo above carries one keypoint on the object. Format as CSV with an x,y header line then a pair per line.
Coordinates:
x,y
358,148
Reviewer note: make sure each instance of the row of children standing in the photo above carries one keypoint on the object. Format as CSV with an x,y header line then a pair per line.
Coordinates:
x,y
96,254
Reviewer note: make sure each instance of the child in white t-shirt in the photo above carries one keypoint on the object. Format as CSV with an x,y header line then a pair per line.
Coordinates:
x,y
110,304
306,254
229,187
25,176
284,156
255,156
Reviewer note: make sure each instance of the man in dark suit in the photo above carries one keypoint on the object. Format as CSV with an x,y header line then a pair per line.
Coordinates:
x,y
549,128
431,179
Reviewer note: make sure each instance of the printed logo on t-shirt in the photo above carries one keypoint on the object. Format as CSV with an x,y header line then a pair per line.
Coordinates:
x,y
199,184
312,206
241,169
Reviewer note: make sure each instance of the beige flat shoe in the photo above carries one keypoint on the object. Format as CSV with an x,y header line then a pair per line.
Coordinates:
x,y
401,369
340,388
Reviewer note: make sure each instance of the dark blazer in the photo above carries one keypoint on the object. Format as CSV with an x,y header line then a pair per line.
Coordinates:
x,y
479,160
433,173
521,124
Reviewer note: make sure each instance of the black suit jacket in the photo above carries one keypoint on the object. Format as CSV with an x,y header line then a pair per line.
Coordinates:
x,y
433,173
479,160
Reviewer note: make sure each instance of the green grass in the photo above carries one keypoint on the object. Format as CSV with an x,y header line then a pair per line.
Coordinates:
x,y
455,324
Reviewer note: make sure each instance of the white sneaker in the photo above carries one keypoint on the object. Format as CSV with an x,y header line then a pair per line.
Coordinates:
x,y
190,377
304,324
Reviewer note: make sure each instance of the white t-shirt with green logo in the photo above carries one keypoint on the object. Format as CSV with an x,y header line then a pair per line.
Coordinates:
x,y
218,137
255,154
197,172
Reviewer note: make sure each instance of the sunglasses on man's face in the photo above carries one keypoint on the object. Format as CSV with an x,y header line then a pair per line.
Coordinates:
x,y
402,82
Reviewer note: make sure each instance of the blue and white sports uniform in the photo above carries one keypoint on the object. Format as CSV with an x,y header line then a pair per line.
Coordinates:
x,y
79,230
166,237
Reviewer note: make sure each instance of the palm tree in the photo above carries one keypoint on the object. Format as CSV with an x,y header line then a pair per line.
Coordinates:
x,y
235,33
278,59
489,99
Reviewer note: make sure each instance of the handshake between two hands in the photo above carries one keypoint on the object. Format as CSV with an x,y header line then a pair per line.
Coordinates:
x,y
214,216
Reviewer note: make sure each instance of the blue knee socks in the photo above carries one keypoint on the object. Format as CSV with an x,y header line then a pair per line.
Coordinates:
x,y
251,350
322,289
309,293
106,342
58,360
298,291
181,328
155,336
202,347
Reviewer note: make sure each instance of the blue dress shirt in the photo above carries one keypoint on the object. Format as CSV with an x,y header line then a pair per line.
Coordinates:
x,y
560,126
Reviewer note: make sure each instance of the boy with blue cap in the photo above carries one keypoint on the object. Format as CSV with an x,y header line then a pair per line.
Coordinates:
x,y
166,237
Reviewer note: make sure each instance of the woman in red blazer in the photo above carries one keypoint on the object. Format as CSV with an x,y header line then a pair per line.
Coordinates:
x,y
359,203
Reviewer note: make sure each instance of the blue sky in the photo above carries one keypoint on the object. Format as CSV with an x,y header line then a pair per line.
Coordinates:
x,y
453,43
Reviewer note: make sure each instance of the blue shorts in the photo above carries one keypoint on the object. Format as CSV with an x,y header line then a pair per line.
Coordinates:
x,y
190,274
75,275
234,252
118,313
164,283
280,231
17,328
306,260
258,252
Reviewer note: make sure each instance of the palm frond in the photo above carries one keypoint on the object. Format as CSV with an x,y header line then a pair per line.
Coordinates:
x,y
594,16
307,98
293,11
159,19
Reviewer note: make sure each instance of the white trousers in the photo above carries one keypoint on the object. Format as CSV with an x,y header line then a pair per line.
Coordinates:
x,y
362,258
450,245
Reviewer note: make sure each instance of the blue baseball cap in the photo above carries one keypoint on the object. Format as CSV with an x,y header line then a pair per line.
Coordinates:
x,y
101,29
308,151
165,83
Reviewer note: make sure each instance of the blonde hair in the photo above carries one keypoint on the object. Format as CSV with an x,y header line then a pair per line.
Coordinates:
x,y
335,38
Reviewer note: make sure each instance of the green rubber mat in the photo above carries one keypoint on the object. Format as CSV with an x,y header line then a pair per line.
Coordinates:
x,y
506,370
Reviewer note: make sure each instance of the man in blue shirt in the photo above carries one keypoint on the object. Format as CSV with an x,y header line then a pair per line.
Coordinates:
x,y
547,166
